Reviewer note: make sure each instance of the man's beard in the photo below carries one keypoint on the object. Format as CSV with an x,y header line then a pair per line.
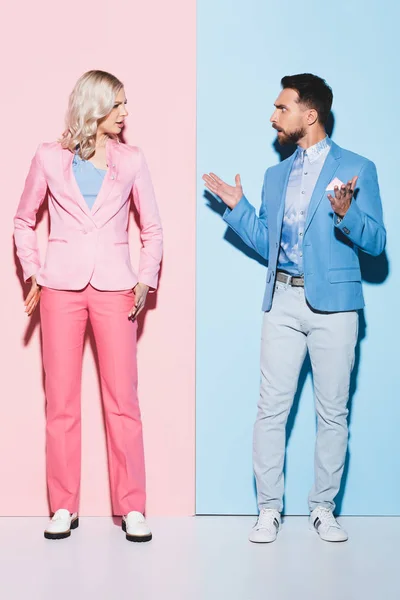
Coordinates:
x,y
291,138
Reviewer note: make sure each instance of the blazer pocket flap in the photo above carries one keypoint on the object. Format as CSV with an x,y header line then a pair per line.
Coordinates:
x,y
343,275
56,239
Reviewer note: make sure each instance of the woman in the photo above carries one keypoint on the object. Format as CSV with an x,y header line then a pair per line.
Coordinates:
x,y
89,176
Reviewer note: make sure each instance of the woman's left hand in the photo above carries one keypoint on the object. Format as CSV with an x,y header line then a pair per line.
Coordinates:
x,y
140,290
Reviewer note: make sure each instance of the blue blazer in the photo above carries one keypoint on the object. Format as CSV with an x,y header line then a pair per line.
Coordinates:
x,y
332,277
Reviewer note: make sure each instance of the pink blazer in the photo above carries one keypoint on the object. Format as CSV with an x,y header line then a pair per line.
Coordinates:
x,y
89,245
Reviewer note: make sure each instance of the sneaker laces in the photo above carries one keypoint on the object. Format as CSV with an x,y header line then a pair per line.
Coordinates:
x,y
266,519
326,516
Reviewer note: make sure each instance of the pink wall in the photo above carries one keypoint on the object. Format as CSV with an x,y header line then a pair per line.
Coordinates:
x,y
151,46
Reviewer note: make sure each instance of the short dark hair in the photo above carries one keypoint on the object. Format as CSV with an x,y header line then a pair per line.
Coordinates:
x,y
313,91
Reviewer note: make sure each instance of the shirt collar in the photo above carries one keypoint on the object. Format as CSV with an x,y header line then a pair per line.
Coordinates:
x,y
314,152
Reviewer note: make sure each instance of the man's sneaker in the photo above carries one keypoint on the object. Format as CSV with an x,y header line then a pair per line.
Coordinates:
x,y
135,526
324,523
61,525
267,526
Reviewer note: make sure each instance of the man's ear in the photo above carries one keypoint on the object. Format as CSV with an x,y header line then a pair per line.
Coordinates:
x,y
312,116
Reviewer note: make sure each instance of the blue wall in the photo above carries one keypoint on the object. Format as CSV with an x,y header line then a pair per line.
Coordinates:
x,y
244,48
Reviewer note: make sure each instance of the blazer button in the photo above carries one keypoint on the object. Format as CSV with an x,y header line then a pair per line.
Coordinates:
x,y
346,231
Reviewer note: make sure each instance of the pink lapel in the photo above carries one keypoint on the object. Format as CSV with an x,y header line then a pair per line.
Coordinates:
x,y
113,155
71,186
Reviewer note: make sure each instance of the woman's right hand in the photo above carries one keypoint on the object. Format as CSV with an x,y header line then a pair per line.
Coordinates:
x,y
32,299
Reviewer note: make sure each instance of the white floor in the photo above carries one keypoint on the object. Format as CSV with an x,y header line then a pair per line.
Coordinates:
x,y
201,558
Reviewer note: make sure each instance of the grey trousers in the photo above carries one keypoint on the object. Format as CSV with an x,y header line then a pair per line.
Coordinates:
x,y
289,330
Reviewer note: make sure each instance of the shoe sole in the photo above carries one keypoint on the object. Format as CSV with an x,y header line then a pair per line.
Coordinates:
x,y
312,528
136,538
63,534
266,541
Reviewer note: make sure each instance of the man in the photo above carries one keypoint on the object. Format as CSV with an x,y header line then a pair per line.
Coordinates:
x,y
319,208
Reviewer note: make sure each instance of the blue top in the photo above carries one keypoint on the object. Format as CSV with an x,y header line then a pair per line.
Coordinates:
x,y
304,175
88,178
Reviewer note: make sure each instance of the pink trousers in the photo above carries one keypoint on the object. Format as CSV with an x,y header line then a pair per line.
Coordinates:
x,y
64,316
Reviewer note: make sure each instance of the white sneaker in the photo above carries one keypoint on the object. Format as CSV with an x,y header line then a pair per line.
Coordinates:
x,y
135,526
324,523
61,525
267,526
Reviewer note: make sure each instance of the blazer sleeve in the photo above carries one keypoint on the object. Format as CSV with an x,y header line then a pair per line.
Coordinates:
x,y
363,222
151,233
25,219
251,228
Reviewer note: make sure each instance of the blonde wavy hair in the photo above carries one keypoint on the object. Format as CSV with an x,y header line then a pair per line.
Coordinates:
x,y
92,99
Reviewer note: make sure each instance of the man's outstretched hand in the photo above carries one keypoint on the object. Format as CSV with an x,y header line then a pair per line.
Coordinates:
x,y
229,194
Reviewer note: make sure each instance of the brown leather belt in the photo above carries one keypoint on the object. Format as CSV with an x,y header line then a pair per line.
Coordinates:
x,y
295,281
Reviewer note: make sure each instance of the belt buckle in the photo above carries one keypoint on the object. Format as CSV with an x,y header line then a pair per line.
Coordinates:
x,y
288,279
